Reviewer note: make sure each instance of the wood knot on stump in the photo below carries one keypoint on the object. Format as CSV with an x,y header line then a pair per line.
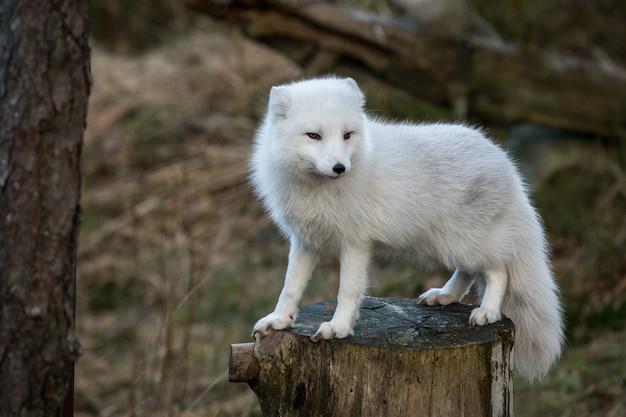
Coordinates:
x,y
404,359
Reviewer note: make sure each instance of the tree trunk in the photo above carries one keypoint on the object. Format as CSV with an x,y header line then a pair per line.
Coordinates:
x,y
44,86
476,75
404,360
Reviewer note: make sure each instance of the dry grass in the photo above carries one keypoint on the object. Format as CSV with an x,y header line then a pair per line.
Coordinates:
x,y
160,290
177,259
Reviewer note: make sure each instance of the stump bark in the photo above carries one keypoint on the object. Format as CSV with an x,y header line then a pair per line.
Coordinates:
x,y
403,360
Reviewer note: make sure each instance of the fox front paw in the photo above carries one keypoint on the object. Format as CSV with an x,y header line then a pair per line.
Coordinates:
x,y
330,330
435,296
272,322
481,316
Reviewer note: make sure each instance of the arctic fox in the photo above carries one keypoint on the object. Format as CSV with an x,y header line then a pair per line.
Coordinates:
x,y
335,180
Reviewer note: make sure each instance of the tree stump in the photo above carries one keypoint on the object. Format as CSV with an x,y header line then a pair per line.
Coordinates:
x,y
403,360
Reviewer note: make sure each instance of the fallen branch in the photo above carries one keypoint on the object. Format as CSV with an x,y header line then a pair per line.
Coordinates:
x,y
478,76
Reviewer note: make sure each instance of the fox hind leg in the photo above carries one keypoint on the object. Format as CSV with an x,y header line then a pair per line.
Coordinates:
x,y
452,292
490,310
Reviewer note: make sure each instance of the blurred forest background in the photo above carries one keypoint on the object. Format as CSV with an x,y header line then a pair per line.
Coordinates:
x,y
177,260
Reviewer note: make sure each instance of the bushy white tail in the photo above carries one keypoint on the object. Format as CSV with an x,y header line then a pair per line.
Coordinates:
x,y
532,302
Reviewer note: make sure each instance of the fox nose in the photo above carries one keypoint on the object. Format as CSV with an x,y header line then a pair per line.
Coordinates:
x,y
339,169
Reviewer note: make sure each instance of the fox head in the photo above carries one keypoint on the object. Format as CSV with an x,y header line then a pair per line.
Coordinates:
x,y
318,126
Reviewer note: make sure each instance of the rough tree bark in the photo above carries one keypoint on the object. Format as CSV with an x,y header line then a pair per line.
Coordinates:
x,y
44,86
475,74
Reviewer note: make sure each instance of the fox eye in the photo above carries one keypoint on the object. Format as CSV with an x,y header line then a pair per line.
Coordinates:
x,y
315,136
347,135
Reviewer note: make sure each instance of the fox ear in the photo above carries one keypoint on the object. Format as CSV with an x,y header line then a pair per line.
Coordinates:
x,y
352,83
279,101
356,88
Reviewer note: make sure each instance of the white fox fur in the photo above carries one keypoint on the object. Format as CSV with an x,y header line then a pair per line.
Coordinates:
x,y
335,180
